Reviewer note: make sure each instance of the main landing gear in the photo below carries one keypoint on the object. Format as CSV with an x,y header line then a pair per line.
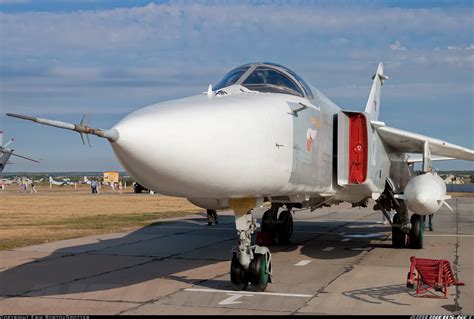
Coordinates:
x,y
279,228
251,264
413,238
406,232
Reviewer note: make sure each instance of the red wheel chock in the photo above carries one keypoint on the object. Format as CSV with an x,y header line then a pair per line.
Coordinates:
x,y
431,274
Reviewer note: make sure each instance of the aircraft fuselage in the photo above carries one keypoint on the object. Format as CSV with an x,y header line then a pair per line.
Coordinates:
x,y
240,144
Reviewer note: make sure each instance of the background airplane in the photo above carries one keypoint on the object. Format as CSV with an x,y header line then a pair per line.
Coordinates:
x,y
86,180
59,183
6,153
264,134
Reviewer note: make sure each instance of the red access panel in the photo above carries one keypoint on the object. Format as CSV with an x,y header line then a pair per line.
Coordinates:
x,y
358,153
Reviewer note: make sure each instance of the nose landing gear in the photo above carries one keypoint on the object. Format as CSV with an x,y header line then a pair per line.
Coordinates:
x,y
251,264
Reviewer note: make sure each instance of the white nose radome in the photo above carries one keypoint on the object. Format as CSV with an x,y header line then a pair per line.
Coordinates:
x,y
199,148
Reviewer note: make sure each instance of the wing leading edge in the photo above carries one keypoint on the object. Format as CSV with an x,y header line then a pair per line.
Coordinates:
x,y
407,142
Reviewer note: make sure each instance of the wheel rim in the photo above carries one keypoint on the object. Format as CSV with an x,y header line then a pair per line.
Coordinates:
x,y
263,271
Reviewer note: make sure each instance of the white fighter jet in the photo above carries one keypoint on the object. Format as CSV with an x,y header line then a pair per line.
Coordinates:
x,y
6,153
264,134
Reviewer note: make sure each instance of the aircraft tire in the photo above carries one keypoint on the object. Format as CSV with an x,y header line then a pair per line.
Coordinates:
x,y
259,277
238,275
416,232
398,236
267,226
265,218
285,232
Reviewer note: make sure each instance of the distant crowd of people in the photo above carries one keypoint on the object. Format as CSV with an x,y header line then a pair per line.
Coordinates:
x,y
24,184
97,185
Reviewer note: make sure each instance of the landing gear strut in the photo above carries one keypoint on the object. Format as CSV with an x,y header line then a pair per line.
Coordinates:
x,y
401,225
250,263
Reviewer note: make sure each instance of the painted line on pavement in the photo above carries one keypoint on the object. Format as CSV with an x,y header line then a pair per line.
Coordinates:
x,y
303,262
248,292
446,235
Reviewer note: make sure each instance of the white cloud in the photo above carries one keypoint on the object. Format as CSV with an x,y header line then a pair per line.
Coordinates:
x,y
14,1
397,46
471,47
196,25
453,47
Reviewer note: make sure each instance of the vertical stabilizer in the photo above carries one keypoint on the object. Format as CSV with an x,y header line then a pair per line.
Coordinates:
x,y
1,138
373,103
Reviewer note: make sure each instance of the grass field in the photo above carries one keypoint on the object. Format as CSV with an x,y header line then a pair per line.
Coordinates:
x,y
64,212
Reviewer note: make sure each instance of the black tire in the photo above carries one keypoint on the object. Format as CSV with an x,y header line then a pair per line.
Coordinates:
x,y
416,232
285,231
268,226
399,238
238,275
259,277
265,218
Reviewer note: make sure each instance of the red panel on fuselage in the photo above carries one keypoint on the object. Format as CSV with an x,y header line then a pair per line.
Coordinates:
x,y
358,154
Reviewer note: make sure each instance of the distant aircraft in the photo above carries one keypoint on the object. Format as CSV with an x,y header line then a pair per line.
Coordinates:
x,y
86,180
264,134
61,183
6,153
6,181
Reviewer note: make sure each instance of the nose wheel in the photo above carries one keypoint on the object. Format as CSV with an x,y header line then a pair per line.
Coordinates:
x,y
257,275
251,264
238,274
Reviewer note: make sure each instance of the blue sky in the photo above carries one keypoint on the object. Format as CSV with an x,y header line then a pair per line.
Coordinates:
x,y
61,59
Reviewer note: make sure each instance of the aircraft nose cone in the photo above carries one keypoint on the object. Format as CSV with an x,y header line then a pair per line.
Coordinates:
x,y
196,147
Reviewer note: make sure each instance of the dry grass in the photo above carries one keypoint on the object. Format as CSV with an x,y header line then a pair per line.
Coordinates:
x,y
64,212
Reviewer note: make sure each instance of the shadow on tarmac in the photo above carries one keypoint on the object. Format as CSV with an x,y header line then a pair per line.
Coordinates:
x,y
163,250
377,295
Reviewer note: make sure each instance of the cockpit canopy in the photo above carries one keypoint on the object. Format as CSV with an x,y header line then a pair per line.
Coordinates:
x,y
266,77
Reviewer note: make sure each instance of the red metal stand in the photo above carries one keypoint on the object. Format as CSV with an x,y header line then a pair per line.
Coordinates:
x,y
432,274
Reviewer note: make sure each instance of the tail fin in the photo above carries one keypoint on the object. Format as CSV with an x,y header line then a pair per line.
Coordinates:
x,y
373,103
51,180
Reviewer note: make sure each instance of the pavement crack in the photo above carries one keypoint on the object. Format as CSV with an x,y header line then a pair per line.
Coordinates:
x,y
87,299
457,308
336,277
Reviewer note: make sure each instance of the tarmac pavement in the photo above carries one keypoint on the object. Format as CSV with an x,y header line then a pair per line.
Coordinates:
x,y
340,262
